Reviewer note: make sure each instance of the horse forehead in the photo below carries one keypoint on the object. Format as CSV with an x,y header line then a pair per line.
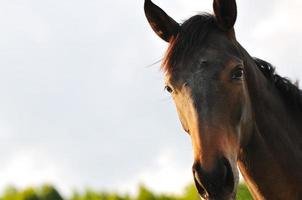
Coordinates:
x,y
202,63
204,60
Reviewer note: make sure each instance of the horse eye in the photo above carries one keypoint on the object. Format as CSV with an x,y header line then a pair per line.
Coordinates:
x,y
238,74
169,89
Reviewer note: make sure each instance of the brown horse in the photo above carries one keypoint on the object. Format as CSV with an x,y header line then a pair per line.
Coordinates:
x,y
236,109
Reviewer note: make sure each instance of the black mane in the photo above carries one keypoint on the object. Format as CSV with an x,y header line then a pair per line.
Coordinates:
x,y
289,91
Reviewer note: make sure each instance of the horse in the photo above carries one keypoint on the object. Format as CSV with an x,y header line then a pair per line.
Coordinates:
x,y
238,112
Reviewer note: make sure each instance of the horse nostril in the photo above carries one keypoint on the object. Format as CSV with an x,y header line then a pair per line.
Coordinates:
x,y
200,179
199,186
229,180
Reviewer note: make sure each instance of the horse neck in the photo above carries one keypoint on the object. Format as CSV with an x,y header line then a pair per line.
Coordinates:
x,y
271,162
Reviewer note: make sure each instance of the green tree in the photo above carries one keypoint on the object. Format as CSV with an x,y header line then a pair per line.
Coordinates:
x,y
190,193
243,193
145,194
167,197
75,196
48,192
115,197
10,193
28,194
91,195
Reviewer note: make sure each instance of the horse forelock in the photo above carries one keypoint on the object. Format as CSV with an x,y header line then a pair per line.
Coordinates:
x,y
187,41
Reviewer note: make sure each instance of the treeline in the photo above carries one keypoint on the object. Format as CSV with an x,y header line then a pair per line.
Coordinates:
x,y
48,192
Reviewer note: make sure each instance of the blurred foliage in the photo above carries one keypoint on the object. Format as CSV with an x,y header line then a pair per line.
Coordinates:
x,y
48,192
243,193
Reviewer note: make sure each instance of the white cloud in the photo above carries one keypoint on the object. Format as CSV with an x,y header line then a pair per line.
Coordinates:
x,y
284,19
165,174
276,38
28,167
18,20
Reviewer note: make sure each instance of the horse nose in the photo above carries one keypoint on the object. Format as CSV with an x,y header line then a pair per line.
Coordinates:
x,y
216,183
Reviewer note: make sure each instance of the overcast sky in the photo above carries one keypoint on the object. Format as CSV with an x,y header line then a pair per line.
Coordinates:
x,y
80,105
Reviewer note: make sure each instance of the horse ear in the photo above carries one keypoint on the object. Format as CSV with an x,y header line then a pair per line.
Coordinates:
x,y
225,13
162,24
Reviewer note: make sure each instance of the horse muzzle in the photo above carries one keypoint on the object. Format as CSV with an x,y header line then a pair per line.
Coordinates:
x,y
217,184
